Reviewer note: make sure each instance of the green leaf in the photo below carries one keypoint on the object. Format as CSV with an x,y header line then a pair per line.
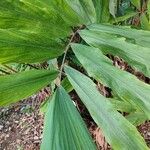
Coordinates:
x,y
44,106
33,16
123,84
123,18
102,10
140,37
85,9
113,7
118,131
64,128
66,85
136,3
148,8
24,47
137,56
122,106
137,118
22,85
31,30
145,25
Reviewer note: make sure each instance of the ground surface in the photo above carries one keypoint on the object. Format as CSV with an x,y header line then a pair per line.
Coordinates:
x,y
21,125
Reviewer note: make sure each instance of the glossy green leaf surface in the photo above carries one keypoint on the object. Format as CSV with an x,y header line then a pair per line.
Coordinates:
x,y
64,128
118,131
91,11
22,85
25,47
140,37
84,9
123,18
66,85
35,16
123,84
148,8
31,30
137,118
136,3
137,56
102,10
122,106
113,7
145,25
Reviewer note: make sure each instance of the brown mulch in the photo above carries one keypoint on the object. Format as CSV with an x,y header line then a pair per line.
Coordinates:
x,y
144,129
21,125
21,131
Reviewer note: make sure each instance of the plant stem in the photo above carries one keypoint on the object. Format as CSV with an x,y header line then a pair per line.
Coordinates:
x,y
65,54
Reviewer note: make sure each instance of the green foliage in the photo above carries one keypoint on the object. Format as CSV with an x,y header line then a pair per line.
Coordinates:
x,y
144,22
64,128
38,31
148,8
31,31
136,3
66,84
116,132
139,37
113,8
21,85
136,55
137,118
144,19
130,88
27,47
102,10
